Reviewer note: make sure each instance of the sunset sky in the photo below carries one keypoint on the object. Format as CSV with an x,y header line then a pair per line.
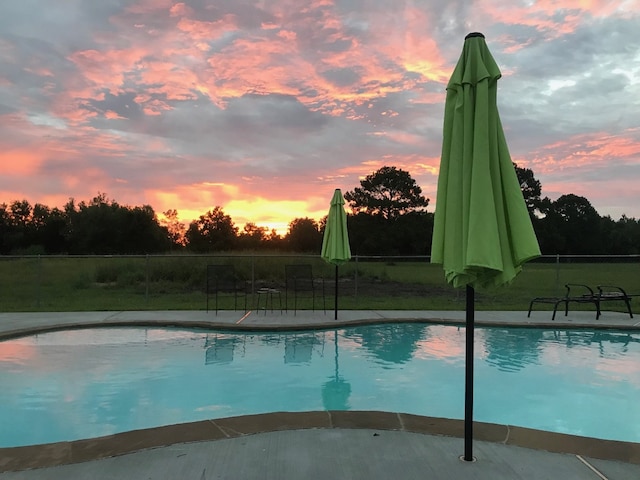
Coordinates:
x,y
263,107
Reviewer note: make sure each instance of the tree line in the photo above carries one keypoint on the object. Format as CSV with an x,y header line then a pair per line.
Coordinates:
x,y
388,216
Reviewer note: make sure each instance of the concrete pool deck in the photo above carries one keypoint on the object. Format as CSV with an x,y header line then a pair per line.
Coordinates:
x,y
310,445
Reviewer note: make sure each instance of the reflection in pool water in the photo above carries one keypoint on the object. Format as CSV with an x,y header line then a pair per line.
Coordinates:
x,y
87,383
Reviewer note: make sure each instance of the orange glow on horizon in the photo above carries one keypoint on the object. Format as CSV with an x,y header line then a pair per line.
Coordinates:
x,y
274,214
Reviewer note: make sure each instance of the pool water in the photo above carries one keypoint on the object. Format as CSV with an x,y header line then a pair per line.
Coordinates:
x,y
77,384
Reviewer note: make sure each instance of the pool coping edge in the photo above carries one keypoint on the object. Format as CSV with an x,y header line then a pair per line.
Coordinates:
x,y
319,325
64,453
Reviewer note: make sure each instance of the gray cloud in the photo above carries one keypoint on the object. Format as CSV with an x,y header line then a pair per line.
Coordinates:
x,y
341,77
124,105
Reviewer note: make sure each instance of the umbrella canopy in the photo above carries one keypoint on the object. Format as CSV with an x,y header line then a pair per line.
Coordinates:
x,y
335,243
482,231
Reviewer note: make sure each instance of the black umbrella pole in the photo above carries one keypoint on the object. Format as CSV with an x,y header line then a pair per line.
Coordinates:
x,y
335,315
468,380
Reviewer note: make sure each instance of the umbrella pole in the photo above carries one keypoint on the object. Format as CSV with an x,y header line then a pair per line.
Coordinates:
x,y
468,380
335,340
335,317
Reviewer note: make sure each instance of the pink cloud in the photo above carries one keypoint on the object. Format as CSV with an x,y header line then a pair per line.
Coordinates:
x,y
200,30
105,68
585,150
554,18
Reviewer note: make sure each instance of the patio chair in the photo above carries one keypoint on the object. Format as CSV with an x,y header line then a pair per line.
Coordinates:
x,y
223,280
298,348
299,281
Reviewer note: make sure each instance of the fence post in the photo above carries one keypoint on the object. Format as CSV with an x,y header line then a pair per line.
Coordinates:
x,y
557,274
355,295
253,275
146,293
38,280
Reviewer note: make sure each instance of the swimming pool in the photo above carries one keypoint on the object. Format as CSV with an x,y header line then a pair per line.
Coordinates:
x,y
77,384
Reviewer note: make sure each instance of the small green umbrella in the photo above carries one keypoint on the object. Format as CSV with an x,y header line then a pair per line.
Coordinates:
x,y
482,230
335,243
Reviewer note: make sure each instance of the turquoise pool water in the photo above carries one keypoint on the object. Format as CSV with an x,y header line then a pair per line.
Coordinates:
x,y
86,383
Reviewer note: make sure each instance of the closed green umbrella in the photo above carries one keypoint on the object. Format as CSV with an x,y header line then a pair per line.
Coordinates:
x,y
482,230
335,243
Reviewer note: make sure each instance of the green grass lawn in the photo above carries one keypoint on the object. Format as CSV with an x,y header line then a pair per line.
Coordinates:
x,y
178,283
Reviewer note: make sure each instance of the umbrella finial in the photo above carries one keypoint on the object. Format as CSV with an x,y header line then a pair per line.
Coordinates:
x,y
474,34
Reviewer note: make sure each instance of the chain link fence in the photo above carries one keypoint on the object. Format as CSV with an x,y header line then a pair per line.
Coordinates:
x,y
177,282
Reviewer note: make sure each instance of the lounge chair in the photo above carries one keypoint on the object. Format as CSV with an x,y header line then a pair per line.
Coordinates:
x,y
584,294
611,293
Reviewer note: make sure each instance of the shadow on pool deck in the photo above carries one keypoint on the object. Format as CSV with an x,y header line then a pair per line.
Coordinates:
x,y
354,445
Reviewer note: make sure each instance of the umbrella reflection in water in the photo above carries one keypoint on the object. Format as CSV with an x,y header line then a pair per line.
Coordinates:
x,y
336,392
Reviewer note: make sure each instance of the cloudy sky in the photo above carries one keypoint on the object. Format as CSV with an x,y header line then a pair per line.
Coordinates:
x,y
264,107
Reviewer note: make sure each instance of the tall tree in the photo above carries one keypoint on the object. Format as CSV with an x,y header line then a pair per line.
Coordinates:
x,y
20,235
409,234
362,242
5,229
622,237
213,231
20,212
530,186
93,226
140,232
252,236
304,235
389,192
104,227
175,227
274,241
575,226
54,234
